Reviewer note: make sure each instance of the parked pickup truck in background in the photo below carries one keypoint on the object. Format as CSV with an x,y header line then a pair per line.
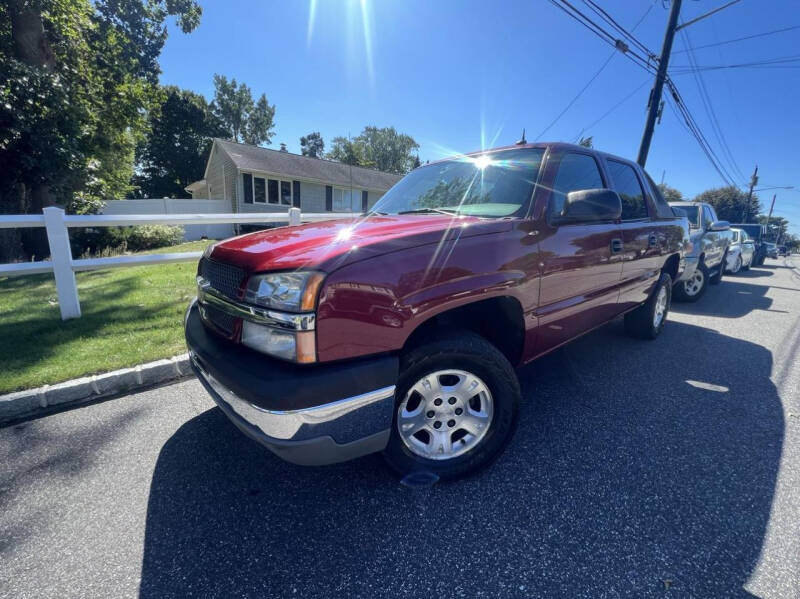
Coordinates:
x,y
707,256
399,330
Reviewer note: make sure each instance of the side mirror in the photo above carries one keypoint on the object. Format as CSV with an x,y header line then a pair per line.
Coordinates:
x,y
590,205
719,225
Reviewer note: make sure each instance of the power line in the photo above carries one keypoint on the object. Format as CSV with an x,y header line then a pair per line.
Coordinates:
x,y
710,112
611,21
778,60
593,77
613,108
578,95
740,39
603,34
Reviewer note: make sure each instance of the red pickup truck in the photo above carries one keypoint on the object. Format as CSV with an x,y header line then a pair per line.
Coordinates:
x,y
399,330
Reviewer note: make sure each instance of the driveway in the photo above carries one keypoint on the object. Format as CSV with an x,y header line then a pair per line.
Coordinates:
x,y
660,469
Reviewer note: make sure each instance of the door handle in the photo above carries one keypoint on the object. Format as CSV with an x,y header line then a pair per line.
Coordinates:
x,y
616,246
652,240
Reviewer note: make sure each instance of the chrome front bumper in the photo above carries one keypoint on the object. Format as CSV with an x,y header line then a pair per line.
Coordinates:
x,y
324,434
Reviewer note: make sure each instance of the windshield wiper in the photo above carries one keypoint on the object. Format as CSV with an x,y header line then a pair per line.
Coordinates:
x,y
428,210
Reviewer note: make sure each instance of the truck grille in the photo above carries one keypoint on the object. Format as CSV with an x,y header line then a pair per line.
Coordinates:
x,y
225,278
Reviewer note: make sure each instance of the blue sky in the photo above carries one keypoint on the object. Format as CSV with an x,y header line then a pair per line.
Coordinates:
x,y
461,75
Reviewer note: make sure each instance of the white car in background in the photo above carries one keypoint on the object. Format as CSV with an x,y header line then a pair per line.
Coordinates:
x,y
740,252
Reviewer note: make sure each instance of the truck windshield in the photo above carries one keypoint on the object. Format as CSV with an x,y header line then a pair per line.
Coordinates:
x,y
495,184
692,213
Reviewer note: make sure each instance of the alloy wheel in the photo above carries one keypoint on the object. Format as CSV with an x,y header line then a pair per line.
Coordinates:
x,y
693,285
445,414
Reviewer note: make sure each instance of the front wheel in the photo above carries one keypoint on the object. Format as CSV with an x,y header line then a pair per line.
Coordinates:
x,y
716,278
694,287
737,266
457,403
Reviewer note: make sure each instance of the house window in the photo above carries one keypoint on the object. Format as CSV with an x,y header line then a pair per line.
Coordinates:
x,y
346,200
260,190
273,191
247,185
286,193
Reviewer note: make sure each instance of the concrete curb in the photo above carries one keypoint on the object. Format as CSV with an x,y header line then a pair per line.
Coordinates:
x,y
33,402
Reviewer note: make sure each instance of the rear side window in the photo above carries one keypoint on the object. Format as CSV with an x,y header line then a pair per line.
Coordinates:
x,y
575,172
663,209
627,185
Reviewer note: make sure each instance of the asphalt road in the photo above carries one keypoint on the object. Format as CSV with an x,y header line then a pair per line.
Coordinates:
x,y
641,469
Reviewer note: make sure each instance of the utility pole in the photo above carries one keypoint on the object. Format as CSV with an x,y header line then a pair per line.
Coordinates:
x,y
658,87
753,183
769,216
653,108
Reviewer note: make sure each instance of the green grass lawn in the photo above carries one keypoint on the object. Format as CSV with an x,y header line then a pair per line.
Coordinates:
x,y
129,316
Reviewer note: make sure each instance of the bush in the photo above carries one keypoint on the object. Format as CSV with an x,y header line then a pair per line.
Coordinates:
x,y
148,237
107,241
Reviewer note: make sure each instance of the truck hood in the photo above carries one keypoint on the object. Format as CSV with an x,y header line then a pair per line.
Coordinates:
x,y
330,244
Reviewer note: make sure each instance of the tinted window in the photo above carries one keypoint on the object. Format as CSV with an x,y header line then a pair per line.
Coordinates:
x,y
626,184
708,216
575,172
247,186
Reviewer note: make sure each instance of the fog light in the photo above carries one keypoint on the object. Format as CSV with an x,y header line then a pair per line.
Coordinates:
x,y
268,340
288,345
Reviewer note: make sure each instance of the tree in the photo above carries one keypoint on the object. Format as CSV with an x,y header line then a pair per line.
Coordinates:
x,y
346,151
730,203
670,193
181,129
586,142
244,119
312,145
76,79
381,148
417,163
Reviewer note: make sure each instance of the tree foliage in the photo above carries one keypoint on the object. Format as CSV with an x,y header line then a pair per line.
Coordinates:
x,y
76,80
245,120
777,227
381,148
731,204
181,129
670,193
312,145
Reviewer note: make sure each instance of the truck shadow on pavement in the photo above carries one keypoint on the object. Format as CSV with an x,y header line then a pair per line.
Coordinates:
x,y
634,470
730,299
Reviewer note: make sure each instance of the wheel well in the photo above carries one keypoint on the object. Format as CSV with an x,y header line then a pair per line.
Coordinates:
x,y
499,320
671,266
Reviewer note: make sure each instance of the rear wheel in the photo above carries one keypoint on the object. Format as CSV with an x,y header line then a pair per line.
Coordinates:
x,y
716,278
457,403
693,288
647,321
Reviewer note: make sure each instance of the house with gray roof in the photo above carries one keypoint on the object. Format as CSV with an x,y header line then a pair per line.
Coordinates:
x,y
256,179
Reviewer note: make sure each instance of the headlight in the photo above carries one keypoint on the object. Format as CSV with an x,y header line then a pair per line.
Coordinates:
x,y
208,250
292,291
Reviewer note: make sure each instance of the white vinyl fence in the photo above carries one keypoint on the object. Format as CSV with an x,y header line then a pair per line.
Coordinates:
x,y
64,267
182,206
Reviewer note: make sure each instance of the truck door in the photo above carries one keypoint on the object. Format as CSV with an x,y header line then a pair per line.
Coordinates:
x,y
580,263
641,253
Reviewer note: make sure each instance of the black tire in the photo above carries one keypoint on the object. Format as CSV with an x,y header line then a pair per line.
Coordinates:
x,y
467,351
680,292
716,279
641,322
